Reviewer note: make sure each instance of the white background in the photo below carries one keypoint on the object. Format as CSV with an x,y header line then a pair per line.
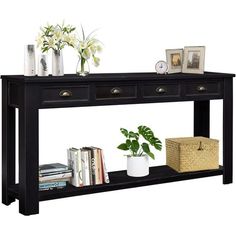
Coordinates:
x,y
135,35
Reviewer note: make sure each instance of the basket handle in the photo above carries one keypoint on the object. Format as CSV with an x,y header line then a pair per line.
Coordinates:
x,y
200,146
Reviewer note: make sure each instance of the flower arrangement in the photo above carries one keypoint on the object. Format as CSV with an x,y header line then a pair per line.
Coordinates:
x,y
56,37
87,48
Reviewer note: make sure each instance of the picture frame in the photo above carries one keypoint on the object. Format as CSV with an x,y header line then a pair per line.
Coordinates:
x,y
174,58
194,59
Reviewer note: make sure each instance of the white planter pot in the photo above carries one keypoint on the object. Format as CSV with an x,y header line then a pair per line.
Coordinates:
x,y
137,166
57,63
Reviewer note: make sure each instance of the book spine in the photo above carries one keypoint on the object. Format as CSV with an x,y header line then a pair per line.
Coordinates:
x,y
99,173
54,173
73,164
85,167
57,184
56,177
93,166
52,180
46,189
105,173
79,167
53,170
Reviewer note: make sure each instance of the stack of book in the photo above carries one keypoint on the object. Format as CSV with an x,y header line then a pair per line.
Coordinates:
x,y
88,166
53,176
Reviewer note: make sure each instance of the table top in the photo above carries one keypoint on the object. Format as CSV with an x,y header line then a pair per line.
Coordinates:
x,y
115,77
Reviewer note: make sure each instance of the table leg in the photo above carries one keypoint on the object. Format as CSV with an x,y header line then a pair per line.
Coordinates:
x,y
8,145
228,131
28,155
202,118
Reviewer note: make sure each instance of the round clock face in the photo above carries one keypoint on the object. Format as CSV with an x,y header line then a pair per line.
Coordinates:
x,y
161,67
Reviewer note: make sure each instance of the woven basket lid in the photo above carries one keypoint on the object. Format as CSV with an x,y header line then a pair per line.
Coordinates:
x,y
193,140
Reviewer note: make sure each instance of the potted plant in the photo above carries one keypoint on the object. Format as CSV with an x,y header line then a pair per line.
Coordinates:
x,y
56,37
87,48
137,160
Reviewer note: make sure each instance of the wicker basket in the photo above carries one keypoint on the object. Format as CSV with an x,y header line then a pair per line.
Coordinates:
x,y
192,154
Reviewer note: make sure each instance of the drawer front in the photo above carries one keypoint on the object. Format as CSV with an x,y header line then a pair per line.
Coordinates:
x,y
116,92
65,94
203,89
160,90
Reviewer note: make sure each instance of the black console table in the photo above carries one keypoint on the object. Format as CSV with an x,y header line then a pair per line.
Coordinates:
x,y
29,94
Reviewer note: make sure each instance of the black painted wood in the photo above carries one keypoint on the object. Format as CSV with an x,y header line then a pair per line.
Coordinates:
x,y
30,94
8,145
120,180
28,151
228,132
116,77
202,118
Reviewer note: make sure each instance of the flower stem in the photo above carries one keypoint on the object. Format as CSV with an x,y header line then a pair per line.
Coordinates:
x,y
82,64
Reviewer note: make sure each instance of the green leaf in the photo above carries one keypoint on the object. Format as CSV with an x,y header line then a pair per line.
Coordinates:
x,y
83,32
148,135
151,155
123,147
133,135
158,146
128,142
124,132
134,146
145,147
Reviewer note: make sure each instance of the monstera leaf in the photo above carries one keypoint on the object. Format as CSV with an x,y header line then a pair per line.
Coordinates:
x,y
147,134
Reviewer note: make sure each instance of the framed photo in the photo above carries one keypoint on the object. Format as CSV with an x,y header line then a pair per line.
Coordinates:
x,y
174,58
194,59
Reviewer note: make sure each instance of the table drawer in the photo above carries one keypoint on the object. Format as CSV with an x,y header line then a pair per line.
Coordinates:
x,y
116,92
65,94
203,88
160,90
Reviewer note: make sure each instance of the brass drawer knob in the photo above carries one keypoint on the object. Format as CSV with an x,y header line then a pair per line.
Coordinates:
x,y
201,88
116,91
65,93
160,90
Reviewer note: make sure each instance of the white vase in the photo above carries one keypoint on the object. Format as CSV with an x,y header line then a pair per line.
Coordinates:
x,y
57,63
29,62
137,166
42,65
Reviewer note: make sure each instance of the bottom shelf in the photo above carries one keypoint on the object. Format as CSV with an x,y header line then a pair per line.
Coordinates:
x,y
120,180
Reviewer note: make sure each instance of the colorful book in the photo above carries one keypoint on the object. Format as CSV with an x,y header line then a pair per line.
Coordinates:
x,y
52,185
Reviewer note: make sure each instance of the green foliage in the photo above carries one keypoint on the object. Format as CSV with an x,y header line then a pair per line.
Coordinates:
x,y
133,145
